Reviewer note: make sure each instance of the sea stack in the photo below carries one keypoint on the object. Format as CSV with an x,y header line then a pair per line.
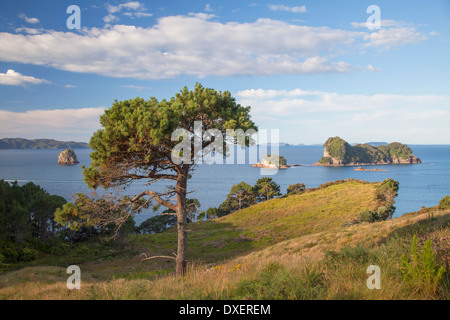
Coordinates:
x,y
67,156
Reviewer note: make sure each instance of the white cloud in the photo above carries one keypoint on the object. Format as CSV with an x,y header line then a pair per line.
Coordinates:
x,y
29,20
132,86
133,9
280,7
208,8
137,14
69,86
303,114
386,38
172,48
383,24
372,68
392,33
110,18
57,124
131,5
30,30
13,78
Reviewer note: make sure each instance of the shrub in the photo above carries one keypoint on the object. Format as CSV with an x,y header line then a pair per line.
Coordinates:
x,y
368,216
3,265
297,188
444,203
29,254
9,252
421,268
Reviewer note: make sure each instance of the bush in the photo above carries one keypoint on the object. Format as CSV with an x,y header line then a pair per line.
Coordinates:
x,y
158,224
9,251
29,254
444,203
368,216
421,268
3,265
60,248
297,188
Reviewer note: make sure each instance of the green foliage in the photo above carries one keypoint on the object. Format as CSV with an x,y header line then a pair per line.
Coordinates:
x,y
369,216
325,161
277,283
420,268
297,188
396,150
265,189
26,220
192,208
355,254
136,134
241,196
29,254
337,148
444,203
212,213
158,224
273,159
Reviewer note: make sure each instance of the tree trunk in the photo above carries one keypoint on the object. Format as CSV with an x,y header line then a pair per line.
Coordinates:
x,y
182,225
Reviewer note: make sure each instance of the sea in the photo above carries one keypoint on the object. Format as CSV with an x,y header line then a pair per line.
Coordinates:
x,y
420,184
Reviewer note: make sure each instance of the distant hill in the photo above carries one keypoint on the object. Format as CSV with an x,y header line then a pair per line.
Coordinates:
x,y
337,152
19,143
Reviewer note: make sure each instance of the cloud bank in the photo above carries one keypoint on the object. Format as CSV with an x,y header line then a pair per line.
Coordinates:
x,y
57,124
354,117
198,45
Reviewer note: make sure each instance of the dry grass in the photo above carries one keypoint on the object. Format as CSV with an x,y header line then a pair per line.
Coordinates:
x,y
294,264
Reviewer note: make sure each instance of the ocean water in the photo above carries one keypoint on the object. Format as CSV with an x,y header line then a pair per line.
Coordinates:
x,y
420,184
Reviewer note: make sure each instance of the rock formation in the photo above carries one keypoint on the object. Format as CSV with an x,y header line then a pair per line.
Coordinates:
x,y
274,162
337,152
67,157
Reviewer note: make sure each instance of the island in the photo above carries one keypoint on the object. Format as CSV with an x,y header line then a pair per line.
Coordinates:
x,y
274,162
19,143
337,152
67,157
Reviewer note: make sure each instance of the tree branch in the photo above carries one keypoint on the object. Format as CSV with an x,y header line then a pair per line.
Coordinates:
x,y
157,198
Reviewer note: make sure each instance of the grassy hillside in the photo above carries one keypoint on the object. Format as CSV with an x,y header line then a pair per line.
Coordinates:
x,y
299,247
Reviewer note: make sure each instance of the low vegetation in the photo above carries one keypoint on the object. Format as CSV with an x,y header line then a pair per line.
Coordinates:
x,y
301,246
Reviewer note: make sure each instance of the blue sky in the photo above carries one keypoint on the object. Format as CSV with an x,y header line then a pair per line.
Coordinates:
x,y
311,69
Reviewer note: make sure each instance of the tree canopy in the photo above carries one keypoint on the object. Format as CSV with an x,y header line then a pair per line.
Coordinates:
x,y
136,143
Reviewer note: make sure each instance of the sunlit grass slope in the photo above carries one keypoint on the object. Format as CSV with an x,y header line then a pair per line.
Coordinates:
x,y
297,247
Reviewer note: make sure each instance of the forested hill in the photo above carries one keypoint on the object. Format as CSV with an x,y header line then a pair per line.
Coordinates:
x,y
19,143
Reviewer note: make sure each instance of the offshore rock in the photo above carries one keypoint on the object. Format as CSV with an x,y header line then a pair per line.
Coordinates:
x,y
67,156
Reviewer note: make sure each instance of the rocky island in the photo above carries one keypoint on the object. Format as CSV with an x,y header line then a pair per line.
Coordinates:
x,y
67,157
274,162
337,152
